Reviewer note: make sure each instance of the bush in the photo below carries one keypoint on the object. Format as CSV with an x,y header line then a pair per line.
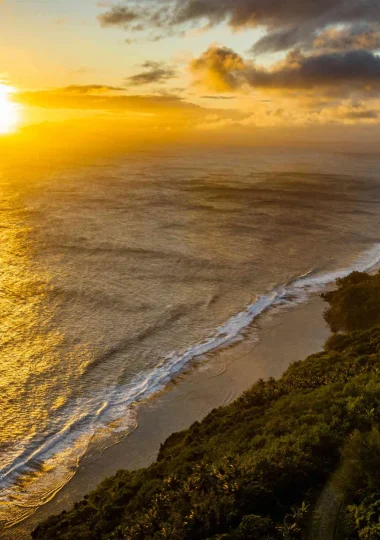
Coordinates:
x,y
255,527
355,305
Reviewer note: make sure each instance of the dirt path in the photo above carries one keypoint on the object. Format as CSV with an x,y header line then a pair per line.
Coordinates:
x,y
326,513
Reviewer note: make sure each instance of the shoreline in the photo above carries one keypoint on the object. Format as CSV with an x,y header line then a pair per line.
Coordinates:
x,y
273,342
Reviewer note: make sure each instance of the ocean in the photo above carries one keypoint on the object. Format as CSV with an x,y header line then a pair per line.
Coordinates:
x,y
115,277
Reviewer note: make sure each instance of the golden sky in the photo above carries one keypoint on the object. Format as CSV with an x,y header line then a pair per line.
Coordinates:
x,y
233,68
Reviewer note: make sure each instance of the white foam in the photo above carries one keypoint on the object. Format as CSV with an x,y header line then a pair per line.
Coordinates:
x,y
293,293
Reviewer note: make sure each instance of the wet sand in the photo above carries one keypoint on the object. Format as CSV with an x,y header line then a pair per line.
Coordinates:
x,y
268,347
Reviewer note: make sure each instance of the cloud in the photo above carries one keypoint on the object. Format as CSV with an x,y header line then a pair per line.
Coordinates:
x,y
240,13
118,16
89,89
98,97
362,115
220,69
124,113
154,72
267,115
138,16
281,40
223,70
354,37
277,13
349,113
218,97
288,23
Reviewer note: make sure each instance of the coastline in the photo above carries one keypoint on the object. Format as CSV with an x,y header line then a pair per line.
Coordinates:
x,y
273,342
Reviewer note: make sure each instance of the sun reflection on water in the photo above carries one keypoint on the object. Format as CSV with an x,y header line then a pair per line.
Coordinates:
x,y
33,374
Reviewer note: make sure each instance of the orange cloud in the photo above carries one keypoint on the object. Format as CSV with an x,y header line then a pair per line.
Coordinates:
x,y
222,70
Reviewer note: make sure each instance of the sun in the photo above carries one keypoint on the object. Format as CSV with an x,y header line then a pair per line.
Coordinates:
x,y
9,116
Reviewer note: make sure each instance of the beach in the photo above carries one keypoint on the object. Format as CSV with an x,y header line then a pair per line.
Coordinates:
x,y
269,346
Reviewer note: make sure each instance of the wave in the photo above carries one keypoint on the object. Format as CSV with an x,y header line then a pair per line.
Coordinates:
x,y
112,415
294,292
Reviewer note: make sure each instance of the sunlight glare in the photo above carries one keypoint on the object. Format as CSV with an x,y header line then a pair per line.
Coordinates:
x,y
8,111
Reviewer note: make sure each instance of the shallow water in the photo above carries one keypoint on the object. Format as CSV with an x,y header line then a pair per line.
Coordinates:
x,y
113,278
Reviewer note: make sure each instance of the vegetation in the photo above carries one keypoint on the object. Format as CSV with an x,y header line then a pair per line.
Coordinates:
x,y
355,304
361,471
254,469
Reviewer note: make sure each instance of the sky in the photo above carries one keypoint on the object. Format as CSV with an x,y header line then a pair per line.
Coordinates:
x,y
229,69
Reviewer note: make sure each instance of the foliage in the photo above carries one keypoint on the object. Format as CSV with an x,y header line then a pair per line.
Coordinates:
x,y
253,469
355,304
361,470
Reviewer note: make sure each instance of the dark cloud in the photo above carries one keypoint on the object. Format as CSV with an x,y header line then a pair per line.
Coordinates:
x,y
240,13
153,72
354,37
289,22
284,39
118,16
350,37
223,70
275,13
138,16
352,68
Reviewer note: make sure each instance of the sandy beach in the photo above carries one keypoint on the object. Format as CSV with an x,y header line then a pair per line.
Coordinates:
x,y
269,346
